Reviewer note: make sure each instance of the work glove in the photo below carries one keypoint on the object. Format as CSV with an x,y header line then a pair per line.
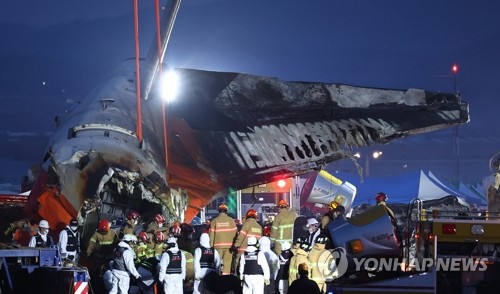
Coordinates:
x,y
267,282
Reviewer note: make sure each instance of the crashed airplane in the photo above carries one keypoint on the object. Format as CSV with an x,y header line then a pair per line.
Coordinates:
x,y
224,131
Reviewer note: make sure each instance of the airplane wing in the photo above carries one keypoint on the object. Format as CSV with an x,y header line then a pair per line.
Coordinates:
x,y
238,130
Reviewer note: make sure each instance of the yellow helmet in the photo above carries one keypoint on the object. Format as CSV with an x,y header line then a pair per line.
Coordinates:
x,y
333,205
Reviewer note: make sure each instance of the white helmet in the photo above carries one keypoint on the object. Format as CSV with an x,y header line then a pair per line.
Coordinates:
x,y
286,245
312,221
129,238
44,224
251,241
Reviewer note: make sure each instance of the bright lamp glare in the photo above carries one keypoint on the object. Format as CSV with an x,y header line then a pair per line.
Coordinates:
x,y
281,183
169,85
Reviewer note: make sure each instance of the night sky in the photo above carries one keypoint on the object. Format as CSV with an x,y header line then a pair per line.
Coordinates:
x,y
54,52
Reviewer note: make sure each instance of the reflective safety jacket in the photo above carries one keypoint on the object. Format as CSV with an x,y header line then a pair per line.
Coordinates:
x,y
249,228
222,231
300,256
282,229
319,267
102,244
189,265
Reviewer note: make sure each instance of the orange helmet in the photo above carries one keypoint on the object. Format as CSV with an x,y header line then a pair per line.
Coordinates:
x,y
159,237
333,205
267,231
159,218
144,237
222,207
283,204
251,213
381,196
104,225
133,215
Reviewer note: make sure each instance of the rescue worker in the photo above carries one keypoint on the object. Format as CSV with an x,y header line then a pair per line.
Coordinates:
x,y
299,256
141,250
284,271
158,224
189,279
206,260
103,241
99,251
185,240
250,228
272,262
159,245
42,238
381,199
330,215
222,233
319,268
303,284
313,229
69,241
282,229
121,267
172,270
22,231
253,269
129,226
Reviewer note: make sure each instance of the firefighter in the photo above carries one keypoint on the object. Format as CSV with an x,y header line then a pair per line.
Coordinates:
x,y
189,279
282,229
313,229
185,240
206,260
117,277
42,238
99,251
141,250
103,241
299,256
253,269
284,271
172,270
158,246
249,228
381,199
158,224
272,262
129,226
319,268
69,241
303,284
330,215
222,233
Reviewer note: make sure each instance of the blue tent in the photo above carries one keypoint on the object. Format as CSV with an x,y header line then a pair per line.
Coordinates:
x,y
402,188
